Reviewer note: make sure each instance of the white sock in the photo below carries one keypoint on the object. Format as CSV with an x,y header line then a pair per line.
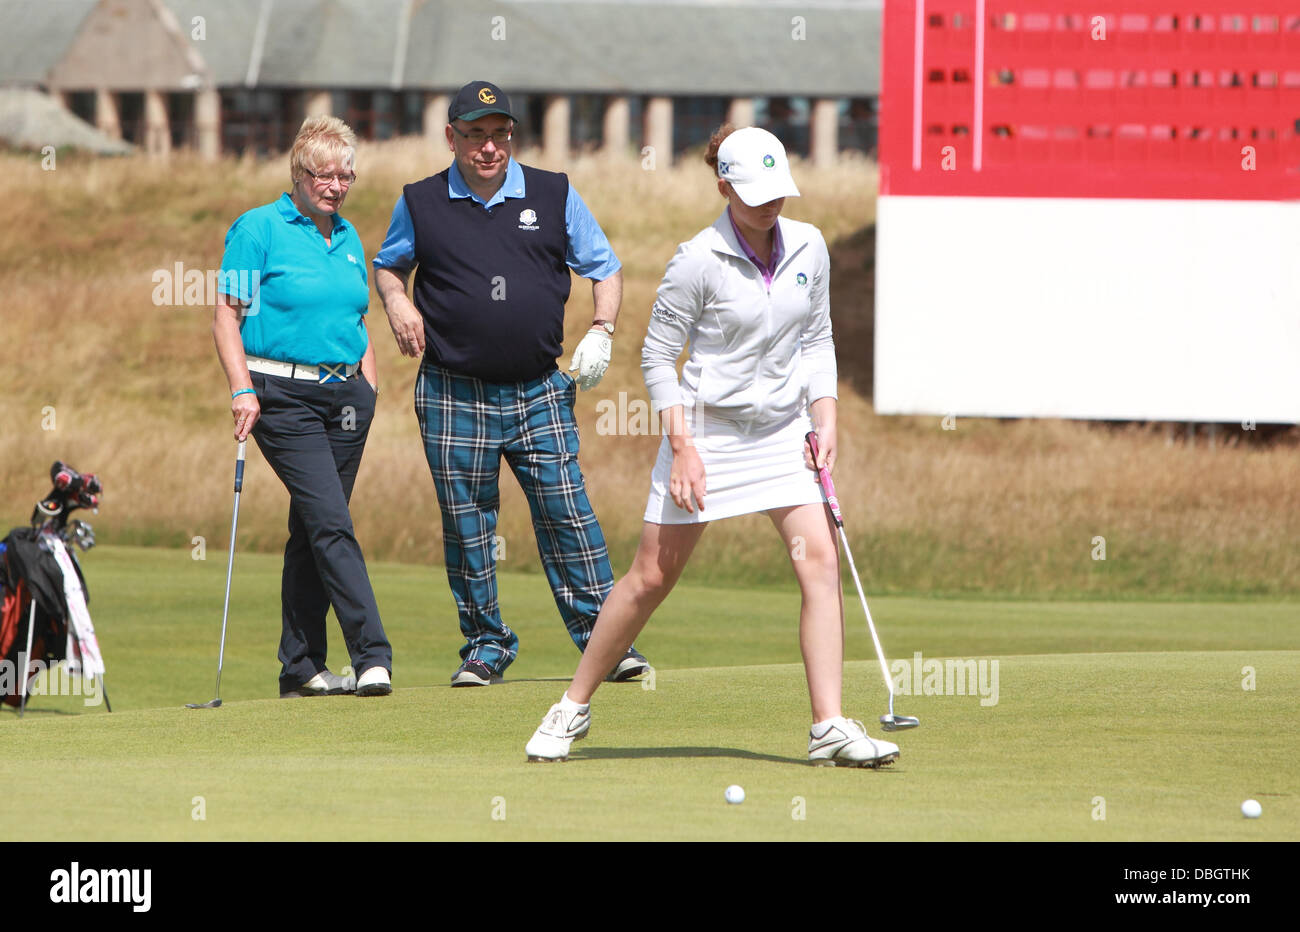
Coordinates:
x,y
569,705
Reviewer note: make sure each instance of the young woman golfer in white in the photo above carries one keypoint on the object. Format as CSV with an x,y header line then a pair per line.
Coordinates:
x,y
751,296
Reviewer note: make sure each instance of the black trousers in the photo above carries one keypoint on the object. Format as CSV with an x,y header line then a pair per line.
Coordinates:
x,y
313,436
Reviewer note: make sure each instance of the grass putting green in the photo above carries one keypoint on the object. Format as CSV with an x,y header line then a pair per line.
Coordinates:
x,y
1126,721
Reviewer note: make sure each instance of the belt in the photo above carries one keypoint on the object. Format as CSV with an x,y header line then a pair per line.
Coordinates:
x,y
326,372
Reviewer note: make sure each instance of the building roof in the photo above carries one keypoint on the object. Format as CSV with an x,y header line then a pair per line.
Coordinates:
x,y
679,47
691,49
129,45
35,35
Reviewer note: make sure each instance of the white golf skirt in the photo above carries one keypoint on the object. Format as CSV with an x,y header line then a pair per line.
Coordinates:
x,y
744,471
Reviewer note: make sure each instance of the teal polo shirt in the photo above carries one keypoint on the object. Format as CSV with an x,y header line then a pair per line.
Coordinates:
x,y
307,301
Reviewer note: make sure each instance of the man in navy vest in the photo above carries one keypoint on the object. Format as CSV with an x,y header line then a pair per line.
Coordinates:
x,y
492,243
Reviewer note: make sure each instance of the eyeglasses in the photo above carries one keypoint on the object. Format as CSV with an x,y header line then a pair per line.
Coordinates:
x,y
344,179
477,137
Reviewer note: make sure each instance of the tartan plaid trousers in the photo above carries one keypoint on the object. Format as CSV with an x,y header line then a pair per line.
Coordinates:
x,y
467,426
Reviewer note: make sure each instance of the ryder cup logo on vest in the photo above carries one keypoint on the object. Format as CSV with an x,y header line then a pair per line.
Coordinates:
x,y
182,287
528,219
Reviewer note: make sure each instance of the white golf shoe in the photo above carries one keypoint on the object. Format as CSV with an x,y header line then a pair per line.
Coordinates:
x,y
843,742
375,682
324,683
557,732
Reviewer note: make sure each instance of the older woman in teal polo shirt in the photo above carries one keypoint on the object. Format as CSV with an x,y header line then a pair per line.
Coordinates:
x,y
291,334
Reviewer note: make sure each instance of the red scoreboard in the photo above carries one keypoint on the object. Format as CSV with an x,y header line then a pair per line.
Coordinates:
x,y
1090,212
1134,99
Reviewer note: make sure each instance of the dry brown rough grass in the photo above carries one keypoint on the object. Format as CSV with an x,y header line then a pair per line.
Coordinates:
x,y
137,395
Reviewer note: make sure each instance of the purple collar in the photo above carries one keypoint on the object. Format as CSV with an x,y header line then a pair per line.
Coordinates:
x,y
777,249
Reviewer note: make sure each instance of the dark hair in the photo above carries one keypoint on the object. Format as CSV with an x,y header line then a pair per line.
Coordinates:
x,y
715,142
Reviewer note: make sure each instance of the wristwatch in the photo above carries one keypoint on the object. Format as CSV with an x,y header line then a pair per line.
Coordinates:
x,y
606,325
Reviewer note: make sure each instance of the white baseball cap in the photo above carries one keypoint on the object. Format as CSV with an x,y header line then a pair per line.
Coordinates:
x,y
754,162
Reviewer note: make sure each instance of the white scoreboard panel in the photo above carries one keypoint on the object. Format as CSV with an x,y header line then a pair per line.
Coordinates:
x,y
1126,309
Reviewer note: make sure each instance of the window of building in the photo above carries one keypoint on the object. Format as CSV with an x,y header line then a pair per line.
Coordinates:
x,y
859,125
411,113
586,121
695,119
82,105
180,120
130,115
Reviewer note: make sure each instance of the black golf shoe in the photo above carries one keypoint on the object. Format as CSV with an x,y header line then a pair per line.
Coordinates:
x,y
474,673
629,668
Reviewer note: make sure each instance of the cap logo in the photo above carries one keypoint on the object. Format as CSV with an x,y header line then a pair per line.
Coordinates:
x,y
487,96
769,162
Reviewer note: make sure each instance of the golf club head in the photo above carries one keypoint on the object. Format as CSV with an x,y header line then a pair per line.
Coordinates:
x,y
214,704
892,722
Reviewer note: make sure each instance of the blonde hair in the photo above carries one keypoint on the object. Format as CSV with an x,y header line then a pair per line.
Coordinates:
x,y
715,143
322,139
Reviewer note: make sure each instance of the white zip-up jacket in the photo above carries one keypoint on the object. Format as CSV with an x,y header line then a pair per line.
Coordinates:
x,y
757,355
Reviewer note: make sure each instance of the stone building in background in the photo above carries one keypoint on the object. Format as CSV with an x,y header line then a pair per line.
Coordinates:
x,y
237,76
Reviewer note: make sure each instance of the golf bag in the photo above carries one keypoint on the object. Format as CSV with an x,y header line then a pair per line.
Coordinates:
x,y
44,620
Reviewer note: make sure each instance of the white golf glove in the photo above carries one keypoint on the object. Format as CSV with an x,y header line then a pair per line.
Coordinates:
x,y
591,358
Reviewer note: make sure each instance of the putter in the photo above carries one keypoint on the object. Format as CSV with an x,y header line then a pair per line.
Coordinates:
x,y
890,722
230,566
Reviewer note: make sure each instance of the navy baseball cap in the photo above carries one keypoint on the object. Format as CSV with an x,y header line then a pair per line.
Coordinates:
x,y
478,99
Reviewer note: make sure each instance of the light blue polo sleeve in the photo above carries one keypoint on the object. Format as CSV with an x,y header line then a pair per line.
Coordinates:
x,y
398,251
590,254
244,260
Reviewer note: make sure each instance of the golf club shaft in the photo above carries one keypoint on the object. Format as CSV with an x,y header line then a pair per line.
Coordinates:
x,y
828,489
230,560
27,657
871,626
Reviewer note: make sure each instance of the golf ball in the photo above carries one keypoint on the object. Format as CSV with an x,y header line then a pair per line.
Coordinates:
x,y
736,794
1251,808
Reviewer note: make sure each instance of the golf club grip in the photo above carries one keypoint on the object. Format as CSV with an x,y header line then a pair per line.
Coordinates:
x,y
239,466
824,477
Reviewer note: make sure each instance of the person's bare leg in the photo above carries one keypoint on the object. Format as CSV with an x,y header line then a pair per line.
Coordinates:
x,y
810,540
660,558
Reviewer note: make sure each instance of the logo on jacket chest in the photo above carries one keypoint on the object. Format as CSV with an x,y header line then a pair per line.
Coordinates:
x,y
528,219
